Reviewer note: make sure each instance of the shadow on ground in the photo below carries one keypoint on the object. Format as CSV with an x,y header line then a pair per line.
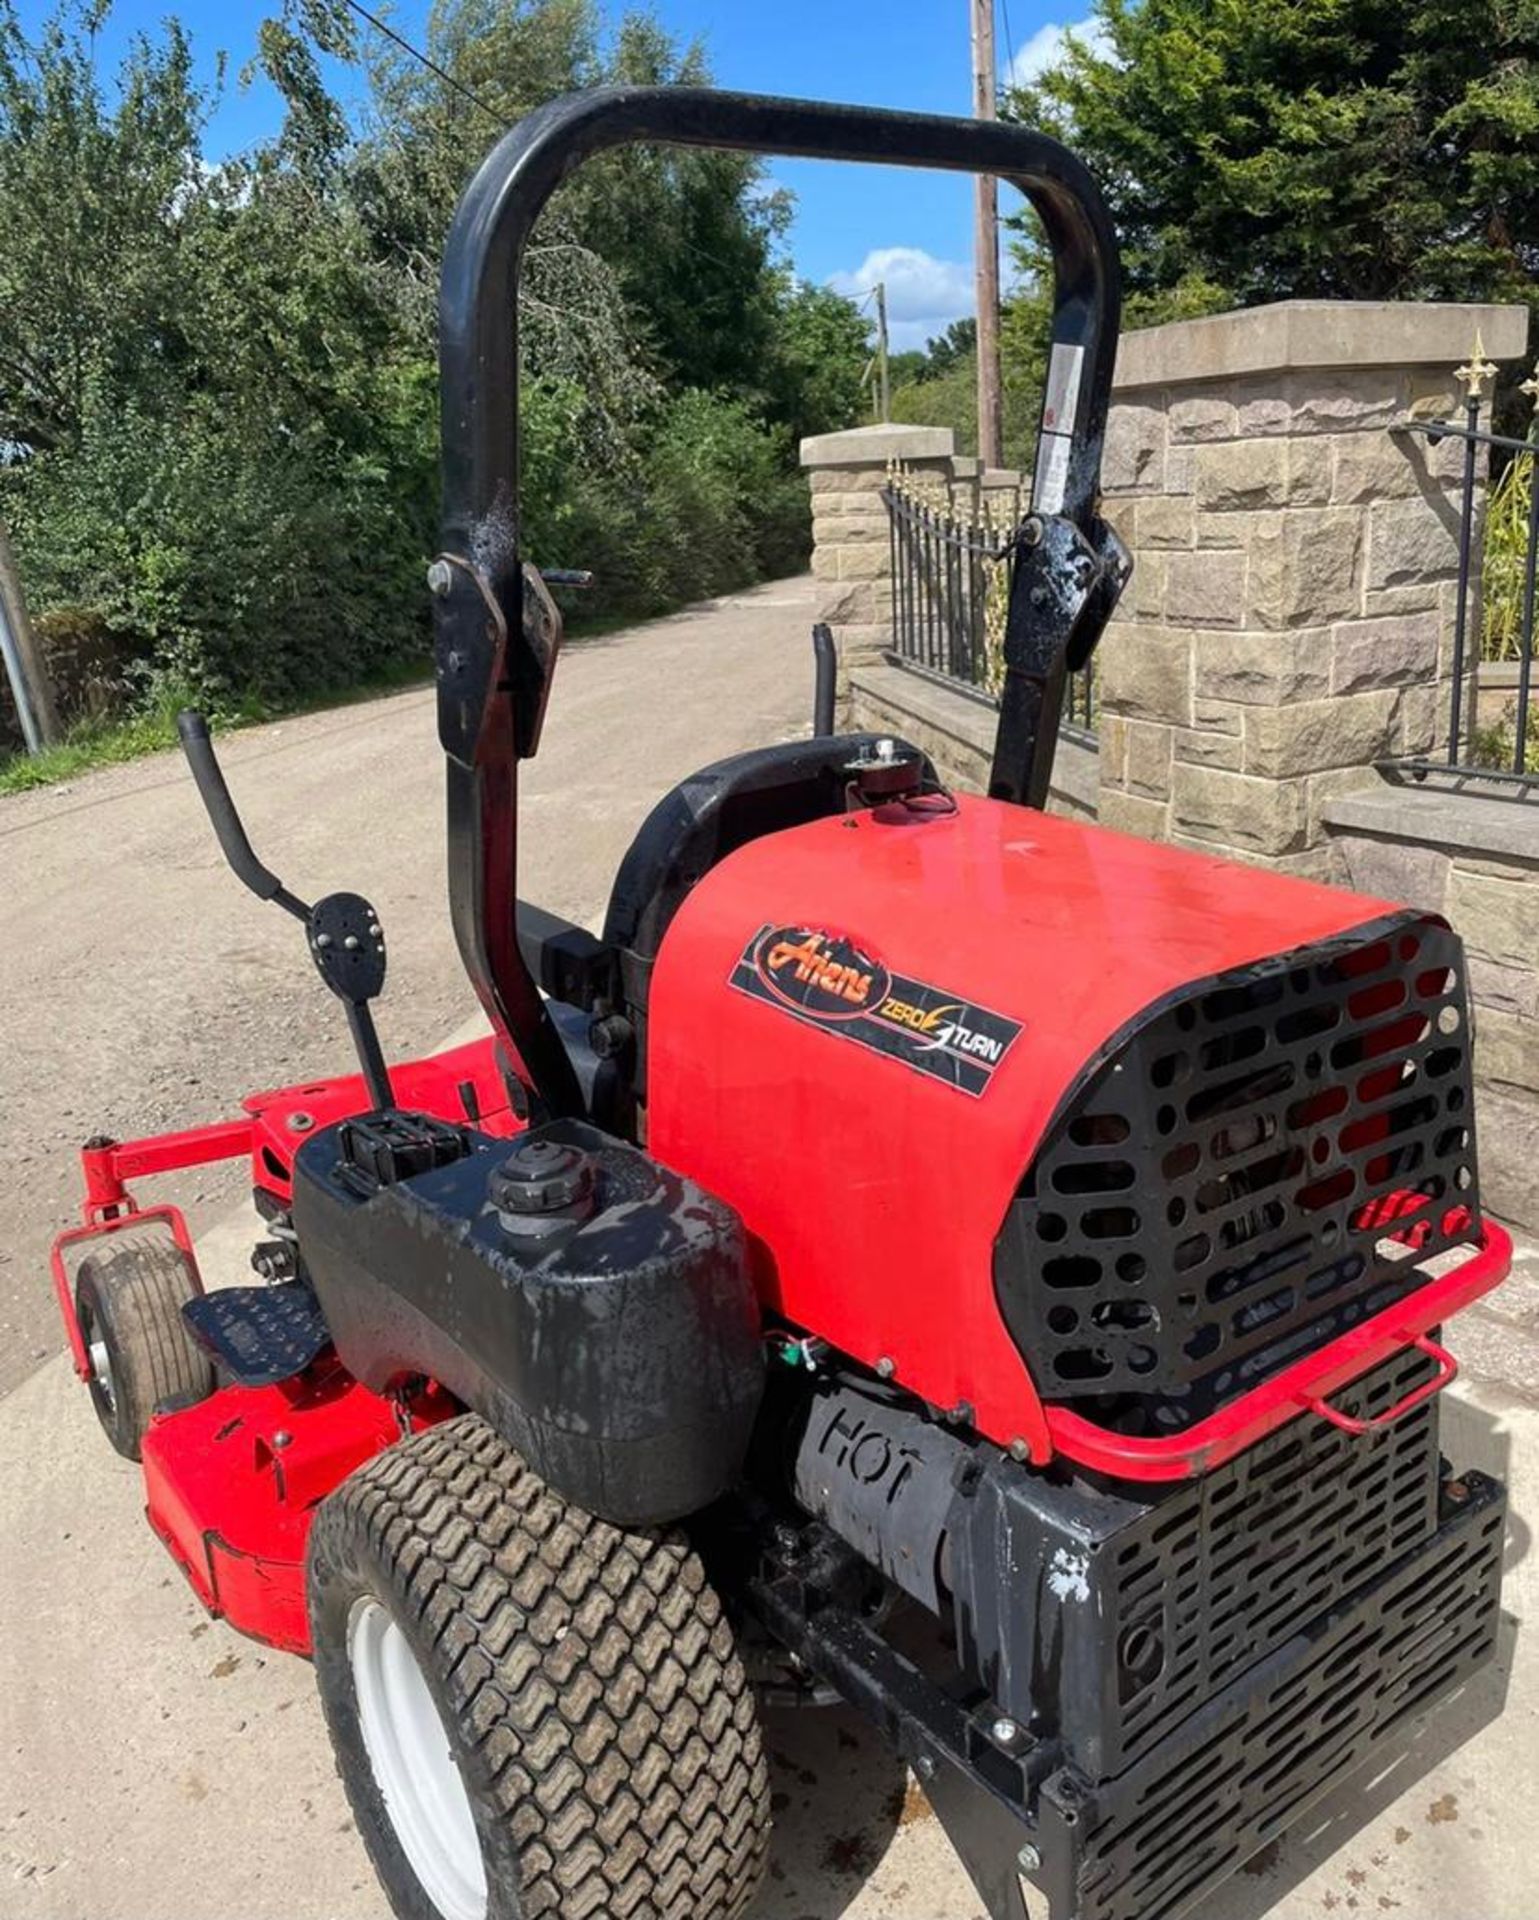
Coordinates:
x,y
846,1811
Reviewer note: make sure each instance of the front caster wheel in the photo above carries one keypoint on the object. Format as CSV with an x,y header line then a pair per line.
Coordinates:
x,y
128,1303
536,1715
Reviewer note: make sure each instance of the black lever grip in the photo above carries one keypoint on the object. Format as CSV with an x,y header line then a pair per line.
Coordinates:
x,y
192,729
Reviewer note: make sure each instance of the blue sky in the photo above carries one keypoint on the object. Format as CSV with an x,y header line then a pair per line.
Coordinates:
x,y
853,225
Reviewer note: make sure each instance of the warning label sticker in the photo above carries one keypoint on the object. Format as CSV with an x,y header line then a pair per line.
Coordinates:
x,y
1060,409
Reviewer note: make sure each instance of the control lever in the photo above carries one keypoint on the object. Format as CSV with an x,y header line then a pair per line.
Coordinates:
x,y
826,657
342,931
237,849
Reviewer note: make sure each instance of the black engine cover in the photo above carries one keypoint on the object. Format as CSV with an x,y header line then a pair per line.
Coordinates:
x,y
593,1306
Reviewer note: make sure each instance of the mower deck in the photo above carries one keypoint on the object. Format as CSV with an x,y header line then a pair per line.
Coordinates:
x,y
231,1485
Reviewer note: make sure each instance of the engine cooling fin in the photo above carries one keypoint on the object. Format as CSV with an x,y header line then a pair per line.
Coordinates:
x,y
1258,1164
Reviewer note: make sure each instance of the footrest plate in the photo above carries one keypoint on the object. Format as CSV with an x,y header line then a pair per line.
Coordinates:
x,y
259,1335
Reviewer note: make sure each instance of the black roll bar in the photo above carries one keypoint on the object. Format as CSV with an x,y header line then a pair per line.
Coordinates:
x,y
492,637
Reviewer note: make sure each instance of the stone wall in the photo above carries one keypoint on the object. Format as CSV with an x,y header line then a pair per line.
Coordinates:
x,y
1291,614
851,542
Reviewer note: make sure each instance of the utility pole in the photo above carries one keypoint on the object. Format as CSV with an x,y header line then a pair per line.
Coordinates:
x,y
23,663
986,248
883,384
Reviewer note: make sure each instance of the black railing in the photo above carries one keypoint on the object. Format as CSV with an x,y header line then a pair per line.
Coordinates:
x,y
950,591
1491,737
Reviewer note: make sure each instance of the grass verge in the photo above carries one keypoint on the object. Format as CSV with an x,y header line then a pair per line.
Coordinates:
x,y
103,743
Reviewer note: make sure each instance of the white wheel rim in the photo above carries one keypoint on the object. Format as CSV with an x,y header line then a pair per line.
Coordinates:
x,y
101,1370
414,1768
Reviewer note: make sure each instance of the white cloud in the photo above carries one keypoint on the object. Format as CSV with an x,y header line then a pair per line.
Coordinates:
x,y
1046,47
924,295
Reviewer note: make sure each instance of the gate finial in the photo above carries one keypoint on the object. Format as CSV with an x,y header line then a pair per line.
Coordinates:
x,y
1476,372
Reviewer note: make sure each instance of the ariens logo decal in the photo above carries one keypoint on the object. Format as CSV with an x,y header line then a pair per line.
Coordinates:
x,y
830,978
830,981
946,1027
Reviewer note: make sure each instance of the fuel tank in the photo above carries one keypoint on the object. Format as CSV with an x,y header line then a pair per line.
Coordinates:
x,y
863,1031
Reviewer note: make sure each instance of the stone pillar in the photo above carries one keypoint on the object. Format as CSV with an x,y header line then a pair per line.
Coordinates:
x,y
1474,860
851,554
1291,613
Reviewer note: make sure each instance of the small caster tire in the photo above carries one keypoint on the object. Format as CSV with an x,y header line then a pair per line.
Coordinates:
x,y
128,1302
536,1715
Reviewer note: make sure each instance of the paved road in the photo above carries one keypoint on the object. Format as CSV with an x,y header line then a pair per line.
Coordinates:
x,y
140,989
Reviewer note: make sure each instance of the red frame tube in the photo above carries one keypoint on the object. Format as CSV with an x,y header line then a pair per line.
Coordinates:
x,y
108,1206
1447,1373
63,1284
111,1164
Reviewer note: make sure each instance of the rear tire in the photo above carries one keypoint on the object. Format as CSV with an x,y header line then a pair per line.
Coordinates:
x,y
128,1303
602,1736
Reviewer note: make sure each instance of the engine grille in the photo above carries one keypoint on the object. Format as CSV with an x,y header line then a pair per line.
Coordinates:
x,y
1253,1169
1237,1775
1226,1568
1175,1596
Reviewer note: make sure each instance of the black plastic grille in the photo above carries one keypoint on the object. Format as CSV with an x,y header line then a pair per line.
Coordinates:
x,y
1235,1777
1226,1568
1255,1168
1174,1594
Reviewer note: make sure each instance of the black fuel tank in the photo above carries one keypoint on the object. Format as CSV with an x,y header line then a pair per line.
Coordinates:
x,y
593,1306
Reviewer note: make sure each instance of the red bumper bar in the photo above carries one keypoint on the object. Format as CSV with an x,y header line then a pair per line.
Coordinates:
x,y
1303,1387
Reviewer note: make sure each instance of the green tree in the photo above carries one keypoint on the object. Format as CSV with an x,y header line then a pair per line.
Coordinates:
x,y
206,394
819,351
218,385
957,344
1337,149
89,272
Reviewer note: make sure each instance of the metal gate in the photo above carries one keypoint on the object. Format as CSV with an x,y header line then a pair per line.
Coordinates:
x,y
951,559
1489,735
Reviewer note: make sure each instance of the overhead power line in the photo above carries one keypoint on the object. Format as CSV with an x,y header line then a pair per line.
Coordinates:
x,y
475,100
457,86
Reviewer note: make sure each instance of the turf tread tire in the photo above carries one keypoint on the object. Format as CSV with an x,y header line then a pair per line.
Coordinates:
x,y
586,1674
132,1297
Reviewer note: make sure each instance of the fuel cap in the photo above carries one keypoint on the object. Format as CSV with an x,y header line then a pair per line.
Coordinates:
x,y
541,1177
885,770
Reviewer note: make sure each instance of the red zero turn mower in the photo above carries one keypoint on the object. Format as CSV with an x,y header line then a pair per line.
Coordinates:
x,y
912,1205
